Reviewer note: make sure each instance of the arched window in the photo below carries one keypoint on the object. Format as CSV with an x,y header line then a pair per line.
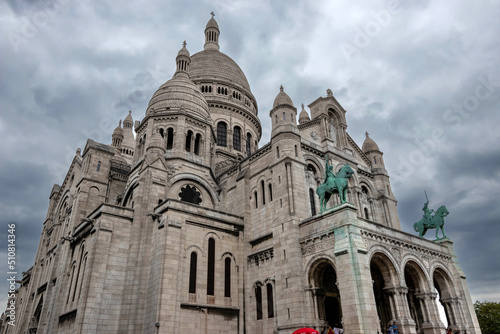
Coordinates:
x,y
162,133
263,192
83,275
237,138
311,201
192,272
270,192
256,200
277,152
197,142
258,301
211,267
249,143
170,138
366,214
227,277
188,140
222,134
73,270
98,165
270,301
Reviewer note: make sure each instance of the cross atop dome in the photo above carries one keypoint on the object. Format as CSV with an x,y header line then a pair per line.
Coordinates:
x,y
213,14
184,44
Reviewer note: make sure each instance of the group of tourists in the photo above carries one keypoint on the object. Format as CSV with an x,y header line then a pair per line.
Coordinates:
x,y
392,328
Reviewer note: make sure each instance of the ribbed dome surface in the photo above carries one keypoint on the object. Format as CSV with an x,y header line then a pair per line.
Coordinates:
x,y
178,92
215,65
369,145
212,24
282,98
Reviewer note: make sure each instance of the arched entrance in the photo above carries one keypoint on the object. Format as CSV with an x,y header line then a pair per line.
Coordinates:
x,y
326,293
447,297
414,278
383,275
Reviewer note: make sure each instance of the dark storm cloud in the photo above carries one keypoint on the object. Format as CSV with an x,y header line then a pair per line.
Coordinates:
x,y
79,72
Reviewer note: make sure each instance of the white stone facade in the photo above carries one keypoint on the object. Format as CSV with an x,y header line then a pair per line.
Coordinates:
x,y
191,228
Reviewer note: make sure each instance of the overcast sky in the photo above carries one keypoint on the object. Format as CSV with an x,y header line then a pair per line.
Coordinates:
x,y
422,77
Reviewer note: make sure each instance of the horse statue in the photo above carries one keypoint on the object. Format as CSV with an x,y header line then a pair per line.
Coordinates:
x,y
334,184
429,222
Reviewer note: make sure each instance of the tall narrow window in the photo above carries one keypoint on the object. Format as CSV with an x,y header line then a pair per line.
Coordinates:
x,y
98,166
256,200
237,138
366,214
222,134
83,275
311,201
211,267
249,143
258,301
227,277
78,271
263,192
170,138
277,152
73,270
197,142
188,140
192,272
270,193
270,301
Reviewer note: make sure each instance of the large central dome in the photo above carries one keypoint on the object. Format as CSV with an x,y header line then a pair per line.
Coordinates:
x,y
216,65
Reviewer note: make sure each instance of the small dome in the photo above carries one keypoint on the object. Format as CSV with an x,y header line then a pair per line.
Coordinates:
x,y
282,99
118,130
184,51
369,145
212,24
303,116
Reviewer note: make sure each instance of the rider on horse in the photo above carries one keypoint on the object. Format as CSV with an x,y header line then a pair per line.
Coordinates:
x,y
427,214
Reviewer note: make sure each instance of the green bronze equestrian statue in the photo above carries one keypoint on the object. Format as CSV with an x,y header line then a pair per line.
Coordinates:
x,y
429,221
334,184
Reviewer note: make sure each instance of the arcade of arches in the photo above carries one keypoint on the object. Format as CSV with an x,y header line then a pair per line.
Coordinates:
x,y
408,296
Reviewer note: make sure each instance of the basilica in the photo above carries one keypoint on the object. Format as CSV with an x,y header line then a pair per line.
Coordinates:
x,y
183,224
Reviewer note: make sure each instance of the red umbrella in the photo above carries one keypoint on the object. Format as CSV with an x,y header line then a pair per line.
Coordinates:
x,y
306,330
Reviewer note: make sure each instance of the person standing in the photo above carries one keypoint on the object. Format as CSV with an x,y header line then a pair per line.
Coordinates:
x,y
394,328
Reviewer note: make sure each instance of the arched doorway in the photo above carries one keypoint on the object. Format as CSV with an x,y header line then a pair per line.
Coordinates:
x,y
414,278
383,276
446,293
324,283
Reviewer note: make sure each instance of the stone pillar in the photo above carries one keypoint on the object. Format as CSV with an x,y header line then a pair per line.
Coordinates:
x,y
401,310
353,274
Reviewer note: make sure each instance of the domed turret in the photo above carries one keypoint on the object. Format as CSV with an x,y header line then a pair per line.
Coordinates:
x,y
117,137
371,150
283,114
282,99
369,144
212,34
303,116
